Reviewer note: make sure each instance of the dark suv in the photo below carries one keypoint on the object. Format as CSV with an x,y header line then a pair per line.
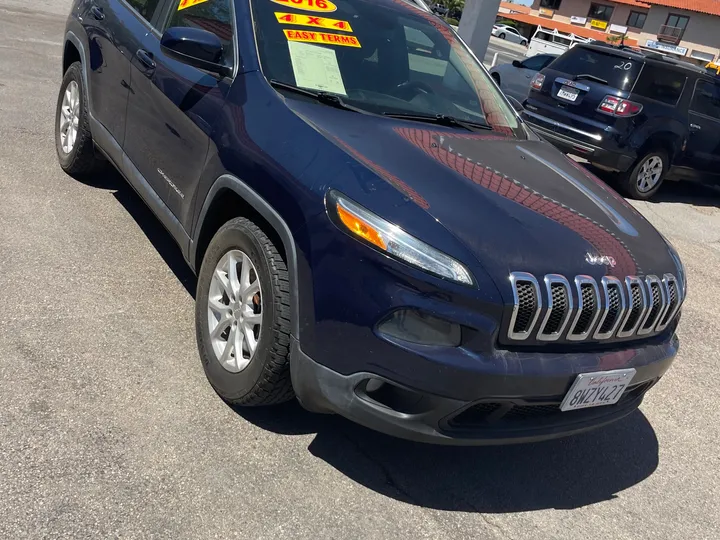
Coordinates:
x,y
646,116
374,229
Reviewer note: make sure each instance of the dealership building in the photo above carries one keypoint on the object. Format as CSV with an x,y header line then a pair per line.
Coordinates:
x,y
687,29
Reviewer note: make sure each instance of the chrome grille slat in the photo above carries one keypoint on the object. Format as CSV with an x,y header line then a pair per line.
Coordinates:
x,y
527,303
559,308
585,309
613,309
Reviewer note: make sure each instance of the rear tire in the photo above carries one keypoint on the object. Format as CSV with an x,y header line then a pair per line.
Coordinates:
x,y
496,77
502,36
259,376
646,177
77,157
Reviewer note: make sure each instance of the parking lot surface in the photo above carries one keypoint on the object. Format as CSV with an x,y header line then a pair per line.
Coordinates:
x,y
108,427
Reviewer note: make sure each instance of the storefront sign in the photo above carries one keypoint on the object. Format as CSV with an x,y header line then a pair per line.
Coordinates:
x,y
545,12
602,25
578,20
665,47
701,55
617,29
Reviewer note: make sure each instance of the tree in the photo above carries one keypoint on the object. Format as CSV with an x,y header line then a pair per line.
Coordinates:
x,y
453,6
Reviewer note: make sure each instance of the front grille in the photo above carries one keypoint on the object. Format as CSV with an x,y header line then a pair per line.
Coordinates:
x,y
614,309
509,414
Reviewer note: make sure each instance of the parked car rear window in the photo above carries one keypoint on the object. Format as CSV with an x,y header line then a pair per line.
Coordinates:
x,y
660,84
619,72
706,99
380,56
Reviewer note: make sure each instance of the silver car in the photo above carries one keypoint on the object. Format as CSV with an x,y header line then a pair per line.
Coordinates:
x,y
514,79
504,31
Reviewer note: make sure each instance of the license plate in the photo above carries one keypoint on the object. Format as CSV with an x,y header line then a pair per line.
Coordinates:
x,y
568,93
597,389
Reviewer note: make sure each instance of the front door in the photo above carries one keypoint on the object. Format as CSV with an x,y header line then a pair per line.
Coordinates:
x,y
703,147
114,29
172,106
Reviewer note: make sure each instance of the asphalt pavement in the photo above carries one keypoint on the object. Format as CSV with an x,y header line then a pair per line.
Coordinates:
x,y
108,427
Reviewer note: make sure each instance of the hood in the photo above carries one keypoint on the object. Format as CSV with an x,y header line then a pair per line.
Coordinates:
x,y
517,205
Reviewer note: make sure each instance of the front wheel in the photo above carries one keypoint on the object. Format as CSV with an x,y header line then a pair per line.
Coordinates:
x,y
646,177
523,43
242,316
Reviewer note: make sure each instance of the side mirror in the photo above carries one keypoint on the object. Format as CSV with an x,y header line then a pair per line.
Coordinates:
x,y
515,104
517,63
195,47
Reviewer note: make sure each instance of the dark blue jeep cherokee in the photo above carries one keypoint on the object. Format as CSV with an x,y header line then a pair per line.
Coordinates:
x,y
374,229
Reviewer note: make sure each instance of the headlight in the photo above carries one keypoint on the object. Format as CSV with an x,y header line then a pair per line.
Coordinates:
x,y
391,239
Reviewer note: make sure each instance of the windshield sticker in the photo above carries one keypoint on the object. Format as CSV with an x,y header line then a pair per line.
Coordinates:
x,y
311,20
325,6
316,68
190,3
321,37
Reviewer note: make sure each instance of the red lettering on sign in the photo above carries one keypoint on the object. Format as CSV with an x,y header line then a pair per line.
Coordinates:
x,y
288,18
314,20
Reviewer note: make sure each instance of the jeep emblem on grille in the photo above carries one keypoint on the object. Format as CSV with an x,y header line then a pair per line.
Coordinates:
x,y
600,259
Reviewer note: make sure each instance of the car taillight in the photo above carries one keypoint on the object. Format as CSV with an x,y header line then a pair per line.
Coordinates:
x,y
616,106
538,81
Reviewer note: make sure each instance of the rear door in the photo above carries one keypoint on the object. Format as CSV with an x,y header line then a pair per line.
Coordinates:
x,y
703,147
173,105
114,28
577,82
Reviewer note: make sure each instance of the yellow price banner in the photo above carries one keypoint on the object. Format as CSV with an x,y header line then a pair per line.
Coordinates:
x,y
312,20
308,5
190,3
321,37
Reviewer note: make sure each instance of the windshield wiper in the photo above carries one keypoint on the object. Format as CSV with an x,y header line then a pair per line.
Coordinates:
x,y
440,119
588,77
323,97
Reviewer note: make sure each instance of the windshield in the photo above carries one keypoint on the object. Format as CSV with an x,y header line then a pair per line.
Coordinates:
x,y
619,72
384,57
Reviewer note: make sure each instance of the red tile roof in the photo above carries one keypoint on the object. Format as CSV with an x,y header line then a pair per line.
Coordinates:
x,y
634,3
515,7
711,7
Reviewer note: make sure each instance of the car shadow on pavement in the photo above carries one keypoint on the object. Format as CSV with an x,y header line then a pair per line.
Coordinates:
x,y
150,225
565,473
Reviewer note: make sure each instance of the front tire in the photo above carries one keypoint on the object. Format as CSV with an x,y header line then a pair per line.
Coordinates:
x,y
242,316
645,179
73,140
523,43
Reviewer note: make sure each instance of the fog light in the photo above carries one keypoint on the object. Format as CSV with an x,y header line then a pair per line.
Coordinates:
x,y
418,327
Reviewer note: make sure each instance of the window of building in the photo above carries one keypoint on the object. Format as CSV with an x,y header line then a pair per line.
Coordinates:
x,y
636,19
214,16
550,4
600,12
677,21
146,8
661,84
706,99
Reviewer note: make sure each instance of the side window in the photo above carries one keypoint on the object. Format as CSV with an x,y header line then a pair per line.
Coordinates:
x,y
146,8
661,84
706,99
212,15
536,63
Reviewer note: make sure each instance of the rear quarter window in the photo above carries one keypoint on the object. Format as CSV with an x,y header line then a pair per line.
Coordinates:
x,y
619,72
661,84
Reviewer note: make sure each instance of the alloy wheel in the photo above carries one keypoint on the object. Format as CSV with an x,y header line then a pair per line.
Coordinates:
x,y
649,174
235,311
69,117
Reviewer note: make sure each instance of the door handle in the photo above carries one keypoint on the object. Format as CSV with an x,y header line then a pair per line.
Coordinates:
x,y
695,128
146,60
97,12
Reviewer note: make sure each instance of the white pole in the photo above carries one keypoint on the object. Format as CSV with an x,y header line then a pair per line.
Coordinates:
x,y
494,61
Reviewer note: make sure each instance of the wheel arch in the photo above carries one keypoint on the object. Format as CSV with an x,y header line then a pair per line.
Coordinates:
x,y
230,197
666,141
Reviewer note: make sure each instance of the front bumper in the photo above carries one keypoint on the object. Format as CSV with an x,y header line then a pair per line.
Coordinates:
x,y
508,407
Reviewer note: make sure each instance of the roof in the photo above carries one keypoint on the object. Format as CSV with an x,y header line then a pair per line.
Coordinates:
x,y
710,7
564,27
515,7
634,3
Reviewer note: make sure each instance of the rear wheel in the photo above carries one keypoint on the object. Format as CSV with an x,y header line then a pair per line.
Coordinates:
x,y
502,36
646,177
242,316
496,77
73,140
